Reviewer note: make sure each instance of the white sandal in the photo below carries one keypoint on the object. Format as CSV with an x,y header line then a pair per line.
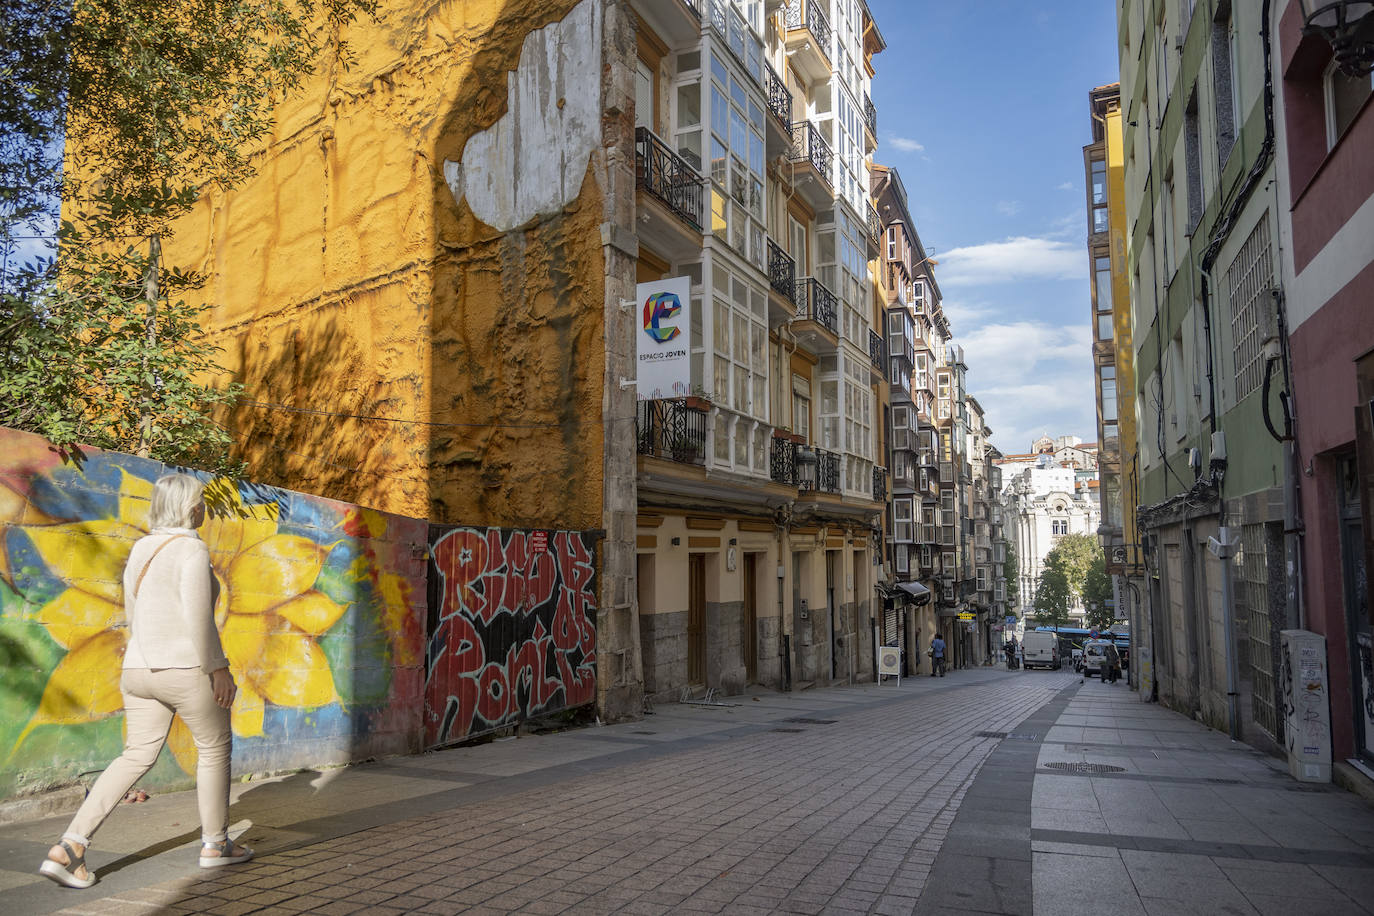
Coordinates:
x,y
65,875
223,858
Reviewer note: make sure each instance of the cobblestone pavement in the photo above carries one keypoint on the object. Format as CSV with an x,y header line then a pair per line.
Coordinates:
x,y
834,800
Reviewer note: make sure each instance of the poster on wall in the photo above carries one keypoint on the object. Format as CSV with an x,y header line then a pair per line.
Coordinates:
x,y
663,352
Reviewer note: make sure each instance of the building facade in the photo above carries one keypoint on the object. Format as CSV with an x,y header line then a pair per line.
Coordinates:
x,y
1202,260
761,495
1323,351
1114,363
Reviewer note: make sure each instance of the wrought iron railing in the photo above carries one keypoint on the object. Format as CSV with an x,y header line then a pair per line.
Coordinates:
x,y
694,6
670,429
879,485
806,14
667,176
782,461
876,354
827,471
870,114
782,271
875,226
817,303
779,99
808,144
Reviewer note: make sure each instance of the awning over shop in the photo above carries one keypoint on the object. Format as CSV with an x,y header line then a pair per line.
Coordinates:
x,y
916,590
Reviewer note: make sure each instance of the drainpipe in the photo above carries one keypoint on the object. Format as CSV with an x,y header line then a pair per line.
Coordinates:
x,y
1224,549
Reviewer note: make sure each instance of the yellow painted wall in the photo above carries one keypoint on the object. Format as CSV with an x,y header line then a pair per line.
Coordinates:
x,y
347,278
1124,348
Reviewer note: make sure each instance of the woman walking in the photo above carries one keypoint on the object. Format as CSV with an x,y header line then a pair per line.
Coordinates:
x,y
174,664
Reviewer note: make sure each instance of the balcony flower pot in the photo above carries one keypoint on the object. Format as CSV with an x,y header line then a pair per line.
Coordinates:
x,y
783,434
697,402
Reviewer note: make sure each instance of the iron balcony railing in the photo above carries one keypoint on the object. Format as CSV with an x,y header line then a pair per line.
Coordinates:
x,y
782,461
870,114
782,271
808,144
667,176
806,14
875,351
879,485
875,226
779,99
817,303
694,6
827,471
670,429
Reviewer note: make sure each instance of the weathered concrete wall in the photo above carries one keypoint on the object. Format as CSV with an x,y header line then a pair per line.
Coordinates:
x,y
724,646
418,267
321,609
664,640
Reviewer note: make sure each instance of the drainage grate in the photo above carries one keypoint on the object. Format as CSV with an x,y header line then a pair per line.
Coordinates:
x,y
1023,736
989,734
1079,767
789,731
1221,781
802,720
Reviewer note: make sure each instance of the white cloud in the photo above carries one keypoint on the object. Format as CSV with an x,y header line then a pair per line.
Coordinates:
x,y
1066,186
1031,377
1009,207
906,144
1014,259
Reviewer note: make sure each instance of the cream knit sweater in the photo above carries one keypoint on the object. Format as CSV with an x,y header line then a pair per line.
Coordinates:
x,y
172,620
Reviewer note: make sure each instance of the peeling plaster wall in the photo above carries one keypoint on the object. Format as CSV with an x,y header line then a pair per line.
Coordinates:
x,y
347,279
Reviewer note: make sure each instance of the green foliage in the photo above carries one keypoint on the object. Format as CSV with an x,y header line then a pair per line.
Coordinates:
x,y
1073,554
1097,591
127,113
1053,598
1011,572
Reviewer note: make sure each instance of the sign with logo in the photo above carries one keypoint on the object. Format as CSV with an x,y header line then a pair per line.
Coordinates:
x,y
966,616
539,542
663,352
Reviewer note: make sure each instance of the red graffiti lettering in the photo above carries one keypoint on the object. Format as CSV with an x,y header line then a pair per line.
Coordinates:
x,y
494,696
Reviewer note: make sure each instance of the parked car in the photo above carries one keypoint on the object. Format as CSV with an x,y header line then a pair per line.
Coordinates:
x,y
1094,656
1040,649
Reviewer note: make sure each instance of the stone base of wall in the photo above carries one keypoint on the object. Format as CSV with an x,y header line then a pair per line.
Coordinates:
x,y
724,646
663,641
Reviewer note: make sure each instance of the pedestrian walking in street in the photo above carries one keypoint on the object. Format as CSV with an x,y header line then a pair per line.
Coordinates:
x,y
1112,664
937,654
174,665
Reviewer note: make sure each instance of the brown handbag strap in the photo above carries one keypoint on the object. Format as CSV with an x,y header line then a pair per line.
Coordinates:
x,y
139,583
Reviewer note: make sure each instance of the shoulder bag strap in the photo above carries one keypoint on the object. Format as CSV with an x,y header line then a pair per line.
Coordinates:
x,y
139,584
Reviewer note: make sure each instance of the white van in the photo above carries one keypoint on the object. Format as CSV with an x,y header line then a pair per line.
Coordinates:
x,y
1040,649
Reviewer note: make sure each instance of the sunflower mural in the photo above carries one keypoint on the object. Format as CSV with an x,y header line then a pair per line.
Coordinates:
x,y
318,605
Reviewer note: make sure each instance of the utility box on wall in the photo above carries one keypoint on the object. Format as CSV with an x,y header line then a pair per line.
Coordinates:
x,y
1306,706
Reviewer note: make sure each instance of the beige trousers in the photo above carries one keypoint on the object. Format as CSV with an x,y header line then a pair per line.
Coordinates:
x,y
151,697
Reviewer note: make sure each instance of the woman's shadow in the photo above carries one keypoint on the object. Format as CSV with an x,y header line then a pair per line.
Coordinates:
x,y
261,806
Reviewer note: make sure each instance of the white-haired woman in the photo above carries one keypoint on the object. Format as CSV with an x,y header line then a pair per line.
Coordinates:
x,y
174,664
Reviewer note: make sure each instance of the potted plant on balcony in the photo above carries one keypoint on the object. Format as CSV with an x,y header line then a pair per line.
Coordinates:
x,y
699,399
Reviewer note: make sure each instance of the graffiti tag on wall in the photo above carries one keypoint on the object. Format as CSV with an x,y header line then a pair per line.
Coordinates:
x,y
512,628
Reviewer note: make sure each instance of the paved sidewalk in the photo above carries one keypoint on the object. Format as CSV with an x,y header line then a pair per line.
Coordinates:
x,y
742,803
979,792
1179,819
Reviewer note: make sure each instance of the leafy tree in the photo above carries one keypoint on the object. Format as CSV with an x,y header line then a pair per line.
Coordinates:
x,y
1073,555
127,112
1097,591
1053,598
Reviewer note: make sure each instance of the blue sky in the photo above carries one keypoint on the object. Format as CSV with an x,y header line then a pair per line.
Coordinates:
x,y
983,109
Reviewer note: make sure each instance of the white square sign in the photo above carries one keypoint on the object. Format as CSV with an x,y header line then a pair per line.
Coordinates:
x,y
663,352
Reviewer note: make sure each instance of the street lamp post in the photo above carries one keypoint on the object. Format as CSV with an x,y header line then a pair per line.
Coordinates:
x,y
1346,25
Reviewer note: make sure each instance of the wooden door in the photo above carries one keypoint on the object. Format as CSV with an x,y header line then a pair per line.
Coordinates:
x,y
749,619
696,619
